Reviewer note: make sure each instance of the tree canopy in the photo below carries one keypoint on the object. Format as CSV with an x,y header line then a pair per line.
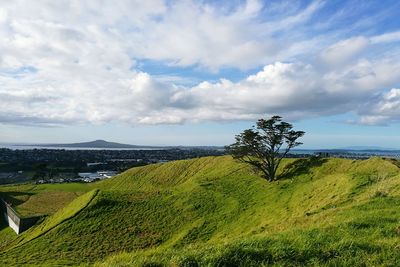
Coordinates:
x,y
265,144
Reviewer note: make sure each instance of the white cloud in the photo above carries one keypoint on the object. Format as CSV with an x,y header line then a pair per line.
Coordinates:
x,y
295,90
296,19
182,33
75,62
387,37
344,51
382,109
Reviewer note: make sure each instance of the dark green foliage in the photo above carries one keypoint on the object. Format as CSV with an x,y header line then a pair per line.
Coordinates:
x,y
265,145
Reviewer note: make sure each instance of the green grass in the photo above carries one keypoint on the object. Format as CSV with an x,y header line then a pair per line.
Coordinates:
x,y
214,211
68,212
7,235
45,199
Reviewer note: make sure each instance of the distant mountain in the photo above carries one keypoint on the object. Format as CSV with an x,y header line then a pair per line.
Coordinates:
x,y
113,145
93,144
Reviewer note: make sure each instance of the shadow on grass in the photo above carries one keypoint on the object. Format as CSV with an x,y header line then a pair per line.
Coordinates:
x,y
394,161
3,223
301,166
11,197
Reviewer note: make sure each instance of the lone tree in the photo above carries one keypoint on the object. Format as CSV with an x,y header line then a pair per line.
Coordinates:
x,y
265,145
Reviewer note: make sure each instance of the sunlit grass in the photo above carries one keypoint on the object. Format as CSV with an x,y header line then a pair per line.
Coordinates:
x,y
214,211
44,199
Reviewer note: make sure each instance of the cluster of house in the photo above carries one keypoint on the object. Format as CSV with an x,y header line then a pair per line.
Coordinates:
x,y
89,177
86,177
53,181
11,175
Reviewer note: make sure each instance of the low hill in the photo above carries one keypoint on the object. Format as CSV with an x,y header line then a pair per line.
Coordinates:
x,y
214,211
92,144
113,145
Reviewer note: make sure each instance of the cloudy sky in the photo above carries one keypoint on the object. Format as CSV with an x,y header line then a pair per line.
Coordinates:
x,y
198,72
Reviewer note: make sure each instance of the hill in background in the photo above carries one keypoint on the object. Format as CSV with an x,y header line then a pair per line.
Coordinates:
x,y
113,145
92,144
215,211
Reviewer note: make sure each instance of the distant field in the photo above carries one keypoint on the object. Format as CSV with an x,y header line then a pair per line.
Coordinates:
x,y
214,211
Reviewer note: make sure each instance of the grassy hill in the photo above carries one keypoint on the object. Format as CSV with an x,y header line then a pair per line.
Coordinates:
x,y
214,211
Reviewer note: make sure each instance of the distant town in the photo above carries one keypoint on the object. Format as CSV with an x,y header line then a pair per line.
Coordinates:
x,y
98,160
61,165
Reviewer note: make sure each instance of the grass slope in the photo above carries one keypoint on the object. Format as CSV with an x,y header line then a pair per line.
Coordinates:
x,y
45,199
7,235
214,211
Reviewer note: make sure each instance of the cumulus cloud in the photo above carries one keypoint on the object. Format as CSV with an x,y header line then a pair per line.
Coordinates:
x,y
382,109
295,90
76,62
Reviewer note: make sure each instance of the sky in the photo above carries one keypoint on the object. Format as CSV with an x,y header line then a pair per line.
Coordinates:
x,y
199,72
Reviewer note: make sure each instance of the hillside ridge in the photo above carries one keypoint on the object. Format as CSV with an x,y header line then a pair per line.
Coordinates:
x,y
204,209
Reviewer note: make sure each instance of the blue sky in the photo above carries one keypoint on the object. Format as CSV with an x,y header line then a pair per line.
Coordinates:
x,y
199,72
